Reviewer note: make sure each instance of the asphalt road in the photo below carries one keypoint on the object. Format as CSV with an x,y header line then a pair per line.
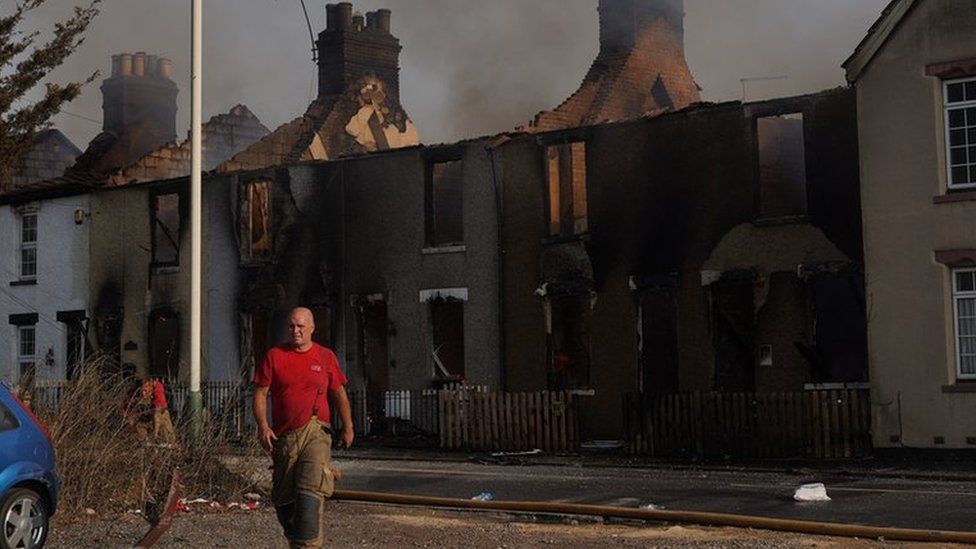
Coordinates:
x,y
925,504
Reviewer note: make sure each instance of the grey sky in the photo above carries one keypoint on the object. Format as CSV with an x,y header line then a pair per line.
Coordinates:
x,y
467,68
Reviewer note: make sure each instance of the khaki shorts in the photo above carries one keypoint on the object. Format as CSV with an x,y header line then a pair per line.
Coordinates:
x,y
301,462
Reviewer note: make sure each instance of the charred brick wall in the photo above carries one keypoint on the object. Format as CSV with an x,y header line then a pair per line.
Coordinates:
x,y
369,214
662,193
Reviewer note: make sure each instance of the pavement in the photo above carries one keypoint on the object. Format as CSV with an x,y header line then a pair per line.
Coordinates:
x,y
907,492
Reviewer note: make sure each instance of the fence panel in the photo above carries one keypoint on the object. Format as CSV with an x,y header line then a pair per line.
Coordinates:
x,y
817,424
477,419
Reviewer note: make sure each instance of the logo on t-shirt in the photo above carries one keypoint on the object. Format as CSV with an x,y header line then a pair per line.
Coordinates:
x,y
316,368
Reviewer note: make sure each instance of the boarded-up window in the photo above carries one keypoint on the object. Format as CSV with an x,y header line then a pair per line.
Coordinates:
x,y
255,221
166,227
447,337
782,165
566,179
445,221
569,342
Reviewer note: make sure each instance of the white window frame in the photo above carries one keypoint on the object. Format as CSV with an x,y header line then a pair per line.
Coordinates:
x,y
23,359
947,107
27,245
957,296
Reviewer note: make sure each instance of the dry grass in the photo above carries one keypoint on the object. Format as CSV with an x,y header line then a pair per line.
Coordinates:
x,y
104,466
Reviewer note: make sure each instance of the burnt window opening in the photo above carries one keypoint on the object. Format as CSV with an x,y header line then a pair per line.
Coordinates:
x,y
782,166
658,324
447,337
374,348
76,341
28,246
566,180
164,344
734,332
569,342
167,225
255,221
659,91
444,208
839,351
256,340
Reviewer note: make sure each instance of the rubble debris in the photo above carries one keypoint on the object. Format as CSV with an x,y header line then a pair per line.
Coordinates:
x,y
517,454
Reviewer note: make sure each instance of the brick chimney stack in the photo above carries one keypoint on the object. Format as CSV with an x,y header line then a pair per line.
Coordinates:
x,y
622,22
140,96
352,47
640,70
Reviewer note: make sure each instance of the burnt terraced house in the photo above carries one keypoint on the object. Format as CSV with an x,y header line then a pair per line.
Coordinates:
x,y
632,240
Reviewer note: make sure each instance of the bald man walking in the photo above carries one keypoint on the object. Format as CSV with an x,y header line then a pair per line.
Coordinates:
x,y
300,376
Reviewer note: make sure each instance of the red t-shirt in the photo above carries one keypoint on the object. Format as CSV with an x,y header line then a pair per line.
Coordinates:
x,y
299,384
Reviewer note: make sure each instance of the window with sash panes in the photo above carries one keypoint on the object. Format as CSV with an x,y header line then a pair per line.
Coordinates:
x,y
26,349
964,305
28,246
960,120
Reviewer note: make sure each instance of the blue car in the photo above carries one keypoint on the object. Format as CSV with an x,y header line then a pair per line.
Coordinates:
x,y
28,481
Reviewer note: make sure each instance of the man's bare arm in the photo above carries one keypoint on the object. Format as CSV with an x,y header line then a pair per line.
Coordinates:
x,y
345,412
260,407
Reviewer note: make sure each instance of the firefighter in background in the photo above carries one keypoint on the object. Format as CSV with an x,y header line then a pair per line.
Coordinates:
x,y
147,412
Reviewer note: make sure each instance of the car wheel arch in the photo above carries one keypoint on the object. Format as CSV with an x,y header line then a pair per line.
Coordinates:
x,y
40,489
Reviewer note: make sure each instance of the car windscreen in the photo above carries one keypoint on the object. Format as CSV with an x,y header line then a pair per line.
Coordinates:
x,y
8,420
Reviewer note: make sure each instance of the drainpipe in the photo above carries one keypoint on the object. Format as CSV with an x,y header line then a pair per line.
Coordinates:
x,y
499,226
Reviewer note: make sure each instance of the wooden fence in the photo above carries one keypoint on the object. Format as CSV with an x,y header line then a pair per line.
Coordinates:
x,y
497,421
812,424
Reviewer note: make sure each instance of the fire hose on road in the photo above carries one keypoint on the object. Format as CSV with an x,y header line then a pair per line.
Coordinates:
x,y
685,517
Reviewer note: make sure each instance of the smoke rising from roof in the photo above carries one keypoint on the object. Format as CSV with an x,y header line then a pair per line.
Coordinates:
x,y
467,68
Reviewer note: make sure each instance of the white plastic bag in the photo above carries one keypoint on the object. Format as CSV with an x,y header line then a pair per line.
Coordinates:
x,y
811,492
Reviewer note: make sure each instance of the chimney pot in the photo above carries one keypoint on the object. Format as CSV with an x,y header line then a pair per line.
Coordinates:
x,y
116,65
140,102
165,68
383,20
331,16
358,22
139,63
125,64
371,20
344,16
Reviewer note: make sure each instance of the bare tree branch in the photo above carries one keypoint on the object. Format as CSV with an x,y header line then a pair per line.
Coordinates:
x,y
23,65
